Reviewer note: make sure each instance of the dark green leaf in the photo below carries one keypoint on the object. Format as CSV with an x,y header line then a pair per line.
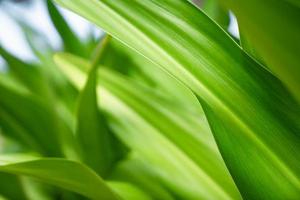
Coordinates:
x,y
11,187
216,12
71,42
273,28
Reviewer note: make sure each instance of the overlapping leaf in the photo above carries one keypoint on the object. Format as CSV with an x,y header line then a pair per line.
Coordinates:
x,y
11,187
217,12
277,43
263,118
27,119
161,133
100,149
29,75
138,172
57,172
71,42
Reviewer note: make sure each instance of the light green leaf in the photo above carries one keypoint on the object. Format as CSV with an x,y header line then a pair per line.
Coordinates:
x,y
136,171
128,192
260,111
141,119
37,191
149,116
120,57
63,173
99,147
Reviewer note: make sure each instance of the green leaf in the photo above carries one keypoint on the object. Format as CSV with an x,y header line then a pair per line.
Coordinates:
x,y
11,187
37,191
294,2
29,75
217,12
278,43
149,112
136,171
13,130
16,117
120,57
58,88
244,95
141,119
248,47
71,42
37,125
99,147
128,192
63,173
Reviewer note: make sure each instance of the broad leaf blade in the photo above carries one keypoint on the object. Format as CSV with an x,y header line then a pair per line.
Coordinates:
x,y
141,69
223,129
190,46
141,119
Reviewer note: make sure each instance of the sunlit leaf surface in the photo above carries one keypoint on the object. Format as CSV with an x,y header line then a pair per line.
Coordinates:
x,y
262,116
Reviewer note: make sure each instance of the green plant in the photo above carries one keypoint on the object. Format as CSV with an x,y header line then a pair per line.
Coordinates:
x,y
177,109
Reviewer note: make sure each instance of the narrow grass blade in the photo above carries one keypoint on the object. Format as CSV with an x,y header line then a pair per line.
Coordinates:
x,y
99,147
56,88
29,75
71,42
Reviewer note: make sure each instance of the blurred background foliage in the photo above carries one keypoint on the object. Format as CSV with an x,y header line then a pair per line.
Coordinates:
x,y
136,133
31,32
